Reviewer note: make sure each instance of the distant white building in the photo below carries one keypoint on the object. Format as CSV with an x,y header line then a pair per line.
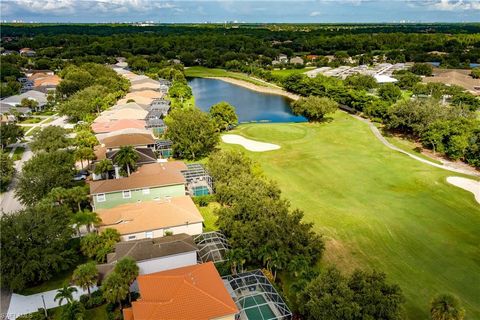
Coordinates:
x,y
384,79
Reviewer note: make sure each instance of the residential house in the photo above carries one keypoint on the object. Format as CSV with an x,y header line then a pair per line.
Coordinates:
x,y
148,182
111,126
27,52
46,83
143,97
154,254
145,85
283,58
131,111
153,219
195,293
138,138
32,72
8,112
296,60
37,96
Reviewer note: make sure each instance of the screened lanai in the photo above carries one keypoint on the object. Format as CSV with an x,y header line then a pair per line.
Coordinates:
x,y
212,246
255,297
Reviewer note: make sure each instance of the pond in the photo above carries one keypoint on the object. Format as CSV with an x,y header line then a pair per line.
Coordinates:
x,y
250,106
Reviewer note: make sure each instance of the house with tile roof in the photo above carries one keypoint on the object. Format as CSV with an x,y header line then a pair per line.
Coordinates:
x,y
111,126
154,254
153,219
194,293
154,181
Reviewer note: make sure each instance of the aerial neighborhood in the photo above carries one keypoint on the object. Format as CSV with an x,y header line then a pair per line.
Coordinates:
x,y
237,171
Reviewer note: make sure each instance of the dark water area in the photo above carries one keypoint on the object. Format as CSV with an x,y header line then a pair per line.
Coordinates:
x,y
250,106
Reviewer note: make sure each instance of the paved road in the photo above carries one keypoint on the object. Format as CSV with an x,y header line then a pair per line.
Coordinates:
x,y
447,165
8,201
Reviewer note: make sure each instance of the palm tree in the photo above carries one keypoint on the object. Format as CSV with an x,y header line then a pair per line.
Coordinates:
x,y
115,288
85,276
103,167
78,195
65,293
128,269
86,218
127,158
446,307
84,153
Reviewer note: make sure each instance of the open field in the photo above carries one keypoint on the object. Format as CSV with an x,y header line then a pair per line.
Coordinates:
x,y
377,208
202,72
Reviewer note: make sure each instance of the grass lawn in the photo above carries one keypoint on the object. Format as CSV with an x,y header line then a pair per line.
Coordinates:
x,y
17,155
58,281
98,313
377,208
33,131
31,120
287,72
209,217
409,146
202,72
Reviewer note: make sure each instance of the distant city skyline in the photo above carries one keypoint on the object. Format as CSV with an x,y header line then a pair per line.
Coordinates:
x,y
181,11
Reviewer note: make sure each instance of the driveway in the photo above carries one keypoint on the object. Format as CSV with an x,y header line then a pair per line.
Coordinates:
x,y
9,203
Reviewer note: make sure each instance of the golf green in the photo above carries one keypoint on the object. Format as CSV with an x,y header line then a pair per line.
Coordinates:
x,y
377,208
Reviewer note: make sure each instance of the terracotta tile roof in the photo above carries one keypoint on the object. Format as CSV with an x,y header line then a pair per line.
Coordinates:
x,y
104,127
147,176
150,215
46,81
194,293
120,114
128,139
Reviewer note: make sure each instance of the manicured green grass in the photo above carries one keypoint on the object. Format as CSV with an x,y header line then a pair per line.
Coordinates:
x,y
98,313
287,72
377,208
202,72
409,146
209,216
17,154
33,131
58,281
32,120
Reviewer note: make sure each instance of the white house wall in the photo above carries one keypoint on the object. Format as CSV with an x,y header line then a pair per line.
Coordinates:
x,y
191,229
167,263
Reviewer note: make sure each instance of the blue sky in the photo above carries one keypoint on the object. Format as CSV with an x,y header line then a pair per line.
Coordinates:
x,y
320,11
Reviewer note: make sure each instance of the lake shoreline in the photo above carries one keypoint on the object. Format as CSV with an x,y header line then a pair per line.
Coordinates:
x,y
258,88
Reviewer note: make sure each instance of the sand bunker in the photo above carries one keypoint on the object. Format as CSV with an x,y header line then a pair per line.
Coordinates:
x,y
248,144
467,184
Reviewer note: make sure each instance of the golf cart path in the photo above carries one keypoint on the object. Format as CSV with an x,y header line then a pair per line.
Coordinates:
x,y
450,166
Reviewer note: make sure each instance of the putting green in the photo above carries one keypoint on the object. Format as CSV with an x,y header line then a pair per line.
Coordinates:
x,y
377,208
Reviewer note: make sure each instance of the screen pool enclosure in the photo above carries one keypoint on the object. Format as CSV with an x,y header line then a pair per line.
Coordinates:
x,y
199,182
212,246
255,297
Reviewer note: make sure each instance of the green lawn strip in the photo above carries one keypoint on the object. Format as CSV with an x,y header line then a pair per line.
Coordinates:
x,y
17,154
409,146
381,209
287,72
56,282
209,217
202,72
33,131
98,313
31,120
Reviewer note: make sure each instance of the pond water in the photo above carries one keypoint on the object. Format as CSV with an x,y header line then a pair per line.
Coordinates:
x,y
250,106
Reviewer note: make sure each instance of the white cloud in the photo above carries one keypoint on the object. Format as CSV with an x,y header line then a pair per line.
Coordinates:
x,y
446,5
315,13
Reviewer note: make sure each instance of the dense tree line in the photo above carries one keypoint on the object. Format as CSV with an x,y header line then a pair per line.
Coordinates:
x,y
89,89
215,46
254,217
